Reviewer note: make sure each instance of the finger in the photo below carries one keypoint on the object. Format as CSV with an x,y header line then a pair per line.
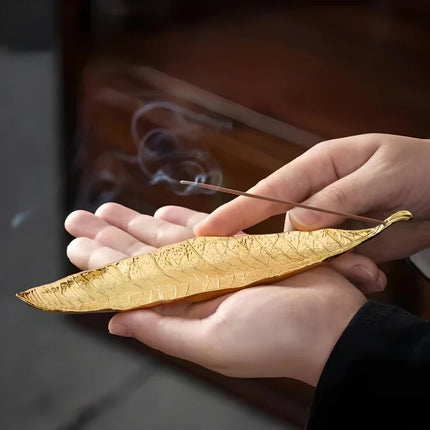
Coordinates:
x,y
88,254
360,271
356,193
288,226
184,338
412,237
315,169
85,224
147,229
179,215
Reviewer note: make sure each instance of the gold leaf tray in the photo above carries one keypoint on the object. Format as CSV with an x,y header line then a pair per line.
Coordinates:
x,y
197,269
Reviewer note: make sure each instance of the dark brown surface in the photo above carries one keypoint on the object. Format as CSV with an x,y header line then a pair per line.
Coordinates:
x,y
335,71
329,71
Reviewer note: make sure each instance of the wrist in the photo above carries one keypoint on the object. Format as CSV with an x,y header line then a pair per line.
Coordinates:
x,y
329,332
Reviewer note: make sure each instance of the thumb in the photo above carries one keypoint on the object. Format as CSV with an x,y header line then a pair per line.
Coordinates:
x,y
180,337
360,271
353,194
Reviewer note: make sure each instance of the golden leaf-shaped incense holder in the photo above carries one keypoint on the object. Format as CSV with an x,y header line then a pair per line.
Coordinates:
x,y
197,269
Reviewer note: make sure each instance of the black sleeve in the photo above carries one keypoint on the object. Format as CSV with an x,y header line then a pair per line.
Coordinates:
x,y
378,375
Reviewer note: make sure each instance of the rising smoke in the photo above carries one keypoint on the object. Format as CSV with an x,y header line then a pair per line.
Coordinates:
x,y
164,155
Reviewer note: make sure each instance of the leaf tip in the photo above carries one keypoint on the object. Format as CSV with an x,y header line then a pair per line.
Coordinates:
x,y
24,297
402,215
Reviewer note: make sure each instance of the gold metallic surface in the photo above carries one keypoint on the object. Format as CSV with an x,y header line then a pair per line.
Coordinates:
x,y
197,269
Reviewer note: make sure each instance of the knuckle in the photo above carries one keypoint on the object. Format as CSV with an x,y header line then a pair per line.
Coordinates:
x,y
271,186
373,137
336,194
161,235
105,234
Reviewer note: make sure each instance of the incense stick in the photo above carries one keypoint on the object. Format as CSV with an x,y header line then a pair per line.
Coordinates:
x,y
285,202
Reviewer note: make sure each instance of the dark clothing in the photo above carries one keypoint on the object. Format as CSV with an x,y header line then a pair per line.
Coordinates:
x,y
378,375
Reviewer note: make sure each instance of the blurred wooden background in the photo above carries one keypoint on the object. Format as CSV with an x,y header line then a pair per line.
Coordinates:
x,y
248,86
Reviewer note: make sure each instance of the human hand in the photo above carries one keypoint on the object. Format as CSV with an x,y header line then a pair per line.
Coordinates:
x,y
373,175
283,330
116,232
287,329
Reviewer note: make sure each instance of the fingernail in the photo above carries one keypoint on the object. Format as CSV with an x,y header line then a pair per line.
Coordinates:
x,y
381,281
364,274
303,218
119,329
368,277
